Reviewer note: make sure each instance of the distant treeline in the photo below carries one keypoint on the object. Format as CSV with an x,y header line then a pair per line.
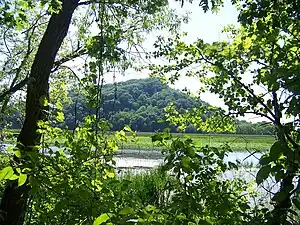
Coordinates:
x,y
139,103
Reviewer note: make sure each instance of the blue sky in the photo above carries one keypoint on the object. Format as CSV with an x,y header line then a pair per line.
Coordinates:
x,y
206,26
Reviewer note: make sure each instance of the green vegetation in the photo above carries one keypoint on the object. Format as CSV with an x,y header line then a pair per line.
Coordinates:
x,y
249,143
66,188
150,187
142,141
263,52
140,104
254,71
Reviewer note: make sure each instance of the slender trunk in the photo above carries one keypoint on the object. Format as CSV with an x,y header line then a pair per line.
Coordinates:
x,y
14,200
281,208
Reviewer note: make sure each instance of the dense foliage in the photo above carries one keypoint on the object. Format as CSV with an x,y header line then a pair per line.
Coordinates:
x,y
255,72
74,181
137,103
140,104
85,189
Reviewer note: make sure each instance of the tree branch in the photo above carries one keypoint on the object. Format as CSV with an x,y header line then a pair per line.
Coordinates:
x,y
253,112
240,83
68,57
13,89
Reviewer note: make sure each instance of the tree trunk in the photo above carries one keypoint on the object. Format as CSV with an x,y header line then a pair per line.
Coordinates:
x,y
14,200
281,208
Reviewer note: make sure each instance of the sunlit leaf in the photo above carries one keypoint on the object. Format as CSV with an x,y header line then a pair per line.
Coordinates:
x,y
126,211
22,179
6,172
102,218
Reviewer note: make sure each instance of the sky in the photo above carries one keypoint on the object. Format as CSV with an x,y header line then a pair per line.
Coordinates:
x,y
207,26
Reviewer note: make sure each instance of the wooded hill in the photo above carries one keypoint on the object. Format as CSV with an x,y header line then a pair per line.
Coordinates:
x,y
139,103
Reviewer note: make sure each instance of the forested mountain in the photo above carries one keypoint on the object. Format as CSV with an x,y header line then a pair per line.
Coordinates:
x,y
139,103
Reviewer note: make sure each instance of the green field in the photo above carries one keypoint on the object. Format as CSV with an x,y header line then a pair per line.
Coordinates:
x,y
236,142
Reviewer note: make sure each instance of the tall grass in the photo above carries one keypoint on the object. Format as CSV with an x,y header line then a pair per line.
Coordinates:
x,y
149,186
260,143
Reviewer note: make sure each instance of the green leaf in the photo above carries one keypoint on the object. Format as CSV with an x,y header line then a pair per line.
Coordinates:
x,y
13,177
128,129
263,174
279,175
22,179
126,211
102,219
59,106
265,160
161,121
296,202
224,207
191,151
276,150
156,137
44,101
280,196
110,174
185,162
60,116
181,216
6,172
17,153
150,208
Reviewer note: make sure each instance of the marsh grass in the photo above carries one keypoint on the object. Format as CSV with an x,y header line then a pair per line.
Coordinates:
x,y
260,143
142,141
149,186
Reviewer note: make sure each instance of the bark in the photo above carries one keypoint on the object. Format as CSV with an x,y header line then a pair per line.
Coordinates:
x,y
281,208
14,200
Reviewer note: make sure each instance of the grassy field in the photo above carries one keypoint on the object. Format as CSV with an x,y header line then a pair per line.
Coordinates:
x,y
236,142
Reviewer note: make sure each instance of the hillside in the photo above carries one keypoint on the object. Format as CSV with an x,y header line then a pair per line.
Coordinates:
x,y
138,103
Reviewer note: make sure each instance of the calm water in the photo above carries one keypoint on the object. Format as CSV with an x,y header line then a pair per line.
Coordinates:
x,y
148,159
133,158
141,160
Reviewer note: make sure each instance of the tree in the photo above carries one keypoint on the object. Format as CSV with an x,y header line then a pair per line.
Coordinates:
x,y
154,96
110,18
254,72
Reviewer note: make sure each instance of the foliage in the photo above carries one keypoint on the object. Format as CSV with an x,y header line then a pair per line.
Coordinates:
x,y
119,26
201,196
141,103
238,143
76,183
150,187
254,72
137,103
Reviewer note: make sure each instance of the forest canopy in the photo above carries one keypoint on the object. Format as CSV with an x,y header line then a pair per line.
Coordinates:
x,y
140,103
53,176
